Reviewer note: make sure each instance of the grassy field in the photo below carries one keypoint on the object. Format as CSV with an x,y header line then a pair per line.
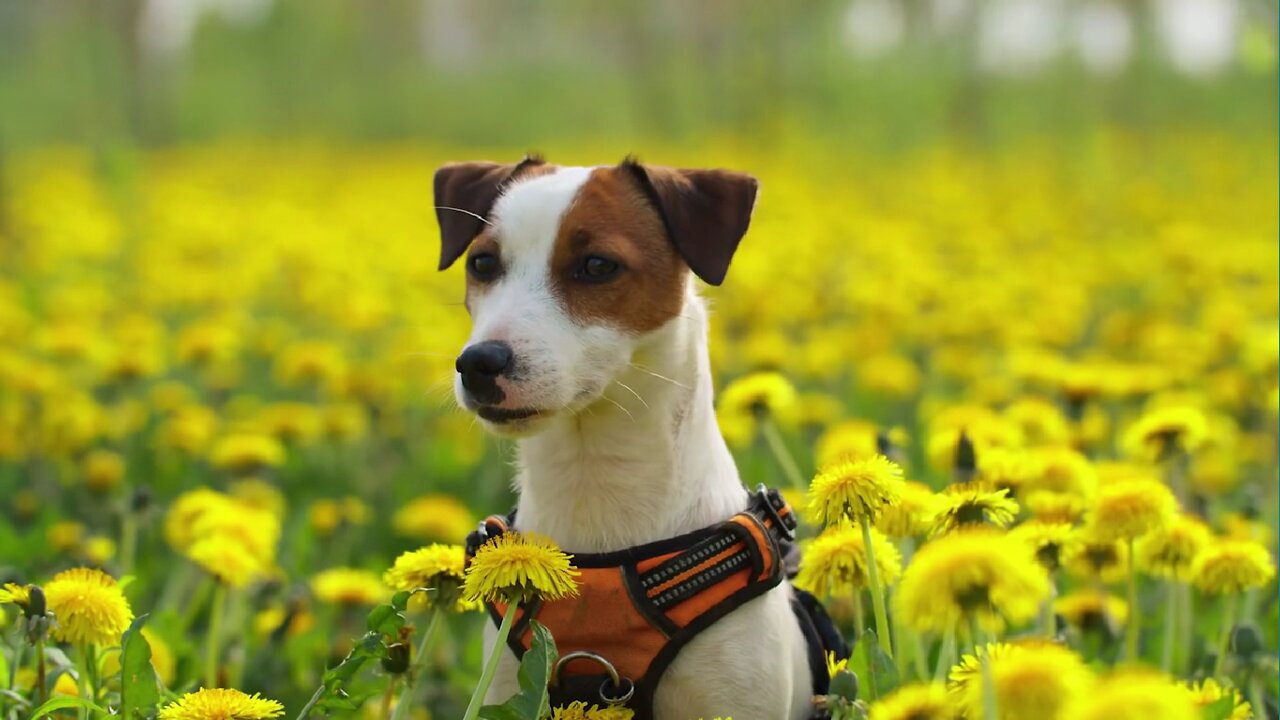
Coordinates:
x,y
226,360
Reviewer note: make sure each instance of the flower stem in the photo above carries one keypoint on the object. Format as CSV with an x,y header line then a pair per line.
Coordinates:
x,y
388,695
780,452
1048,627
1224,643
88,677
945,654
1131,627
128,540
990,709
214,641
42,692
1170,626
419,661
491,665
877,592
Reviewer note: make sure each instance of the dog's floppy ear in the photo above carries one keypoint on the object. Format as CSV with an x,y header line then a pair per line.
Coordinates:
x,y
464,195
706,212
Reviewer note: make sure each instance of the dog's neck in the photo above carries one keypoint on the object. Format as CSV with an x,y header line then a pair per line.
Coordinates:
x,y
644,463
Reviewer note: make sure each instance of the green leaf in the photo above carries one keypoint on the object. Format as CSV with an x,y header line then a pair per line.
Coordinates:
x,y
1220,709
400,600
385,619
499,712
139,689
62,703
877,675
534,700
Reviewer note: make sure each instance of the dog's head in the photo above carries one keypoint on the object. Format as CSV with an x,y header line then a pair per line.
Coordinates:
x,y
569,269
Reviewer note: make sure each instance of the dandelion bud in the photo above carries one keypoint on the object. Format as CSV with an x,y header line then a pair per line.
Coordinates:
x,y
396,661
36,605
1245,641
140,499
966,458
844,684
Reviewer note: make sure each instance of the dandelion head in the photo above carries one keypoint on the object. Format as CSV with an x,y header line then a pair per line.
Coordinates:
x,y
1165,431
1169,551
438,568
1128,509
979,574
1209,692
913,514
854,489
919,701
221,704
1093,611
835,562
1133,694
89,605
1049,540
348,586
1031,680
516,566
973,504
1232,566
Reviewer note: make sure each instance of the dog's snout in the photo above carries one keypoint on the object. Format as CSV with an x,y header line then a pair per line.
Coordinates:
x,y
480,365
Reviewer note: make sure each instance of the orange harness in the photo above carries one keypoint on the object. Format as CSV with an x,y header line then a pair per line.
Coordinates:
x,y
637,607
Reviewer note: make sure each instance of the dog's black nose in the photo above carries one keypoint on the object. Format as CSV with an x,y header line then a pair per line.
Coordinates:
x,y
480,365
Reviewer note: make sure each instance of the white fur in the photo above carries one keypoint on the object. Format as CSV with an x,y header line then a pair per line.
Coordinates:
x,y
627,451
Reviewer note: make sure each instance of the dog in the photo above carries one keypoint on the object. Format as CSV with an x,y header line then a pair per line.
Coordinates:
x,y
589,347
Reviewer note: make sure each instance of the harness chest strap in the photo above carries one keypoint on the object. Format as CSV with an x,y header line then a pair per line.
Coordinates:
x,y
638,607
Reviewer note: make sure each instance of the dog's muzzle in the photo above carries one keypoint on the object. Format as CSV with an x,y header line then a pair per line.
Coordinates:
x,y
480,366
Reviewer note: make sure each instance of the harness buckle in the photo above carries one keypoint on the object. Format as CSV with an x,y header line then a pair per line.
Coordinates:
x,y
770,502
625,687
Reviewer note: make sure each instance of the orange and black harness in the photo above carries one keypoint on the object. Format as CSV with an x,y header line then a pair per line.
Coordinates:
x,y
637,607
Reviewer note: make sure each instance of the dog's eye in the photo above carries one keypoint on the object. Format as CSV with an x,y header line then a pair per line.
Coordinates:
x,y
483,266
597,269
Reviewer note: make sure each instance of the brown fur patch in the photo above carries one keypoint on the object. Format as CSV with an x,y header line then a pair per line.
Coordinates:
x,y
612,218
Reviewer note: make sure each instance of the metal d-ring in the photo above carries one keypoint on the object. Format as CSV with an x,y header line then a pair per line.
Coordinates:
x,y
618,681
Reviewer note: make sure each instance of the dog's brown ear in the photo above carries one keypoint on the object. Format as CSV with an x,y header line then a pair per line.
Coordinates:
x,y
706,212
464,195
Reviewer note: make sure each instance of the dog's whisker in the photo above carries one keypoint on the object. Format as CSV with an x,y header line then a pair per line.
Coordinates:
x,y
620,407
660,376
465,212
633,392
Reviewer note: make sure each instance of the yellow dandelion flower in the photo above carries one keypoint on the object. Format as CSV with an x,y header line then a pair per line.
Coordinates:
x,y
89,607
102,470
221,704
98,550
440,568
1031,680
519,566
1039,420
834,666
1061,470
1238,526
579,710
245,452
227,559
1094,559
304,362
1166,430
65,536
1049,540
1055,507
349,586
912,515
972,504
762,393
292,423
1232,566
1134,694
847,440
260,495
1169,552
835,562
1092,610
1128,509
15,594
257,531
1208,692
977,573
434,518
919,701
1002,468
185,510
854,489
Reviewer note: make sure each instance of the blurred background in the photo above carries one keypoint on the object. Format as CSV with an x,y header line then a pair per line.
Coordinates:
x,y
226,354
880,73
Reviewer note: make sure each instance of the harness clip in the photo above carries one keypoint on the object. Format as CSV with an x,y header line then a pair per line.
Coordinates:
x,y
771,502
